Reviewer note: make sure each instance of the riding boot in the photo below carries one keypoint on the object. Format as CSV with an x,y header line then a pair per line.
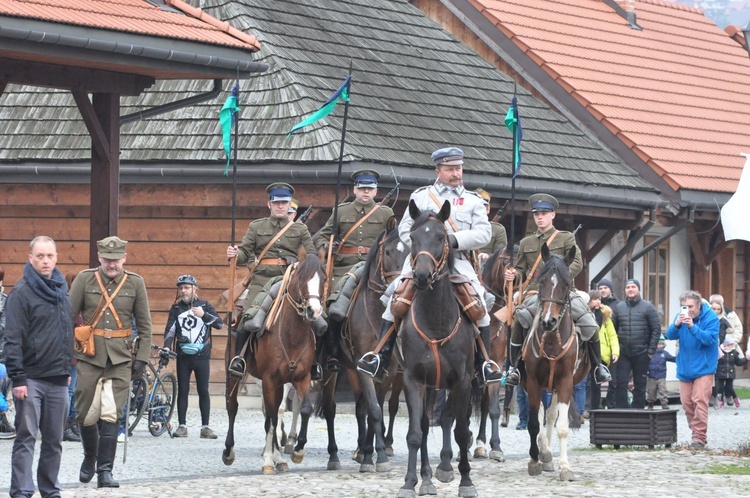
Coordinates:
x,y
105,460
376,364
487,370
331,349
90,441
514,375
237,365
601,373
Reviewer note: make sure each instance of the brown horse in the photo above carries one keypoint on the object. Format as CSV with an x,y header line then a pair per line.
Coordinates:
x,y
555,360
284,353
359,334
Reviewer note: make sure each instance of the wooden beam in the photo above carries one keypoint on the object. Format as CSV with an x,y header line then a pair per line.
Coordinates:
x,y
605,239
105,172
98,139
716,251
68,77
697,247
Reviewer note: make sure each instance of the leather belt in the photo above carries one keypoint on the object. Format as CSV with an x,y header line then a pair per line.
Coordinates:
x,y
273,261
361,250
113,334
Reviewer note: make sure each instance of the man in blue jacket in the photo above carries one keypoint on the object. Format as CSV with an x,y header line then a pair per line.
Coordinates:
x,y
697,328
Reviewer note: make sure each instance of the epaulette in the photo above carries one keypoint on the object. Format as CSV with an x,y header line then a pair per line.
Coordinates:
x,y
133,273
89,270
467,191
422,188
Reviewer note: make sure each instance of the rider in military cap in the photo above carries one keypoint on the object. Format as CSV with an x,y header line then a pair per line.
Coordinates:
x,y
543,209
499,237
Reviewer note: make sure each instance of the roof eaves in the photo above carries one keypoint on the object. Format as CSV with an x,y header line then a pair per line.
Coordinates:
x,y
217,23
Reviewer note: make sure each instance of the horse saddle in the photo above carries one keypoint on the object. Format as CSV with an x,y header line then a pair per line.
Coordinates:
x,y
467,297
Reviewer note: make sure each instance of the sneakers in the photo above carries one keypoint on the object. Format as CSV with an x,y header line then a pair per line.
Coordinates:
x,y
720,399
121,435
521,426
7,431
736,402
697,445
206,433
180,432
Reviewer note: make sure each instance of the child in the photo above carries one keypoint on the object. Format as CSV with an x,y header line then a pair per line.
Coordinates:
x,y
726,371
656,384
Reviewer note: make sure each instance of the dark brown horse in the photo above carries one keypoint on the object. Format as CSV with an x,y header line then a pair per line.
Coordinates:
x,y
436,343
555,360
284,353
359,335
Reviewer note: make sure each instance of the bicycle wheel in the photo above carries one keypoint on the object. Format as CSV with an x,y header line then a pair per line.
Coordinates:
x,y
162,403
138,398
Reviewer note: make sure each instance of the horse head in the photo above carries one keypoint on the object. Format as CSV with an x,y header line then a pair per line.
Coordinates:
x,y
555,283
307,283
430,251
493,273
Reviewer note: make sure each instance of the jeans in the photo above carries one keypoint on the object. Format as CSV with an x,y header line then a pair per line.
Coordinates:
x,y
579,395
523,405
72,391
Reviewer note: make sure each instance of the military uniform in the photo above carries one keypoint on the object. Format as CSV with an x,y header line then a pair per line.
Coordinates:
x,y
498,239
531,246
104,379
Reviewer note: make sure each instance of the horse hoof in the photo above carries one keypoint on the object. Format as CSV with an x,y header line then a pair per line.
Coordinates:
x,y
389,451
269,470
366,468
406,493
282,467
427,488
383,466
288,448
357,456
480,452
497,455
333,466
545,456
535,468
444,475
228,457
298,456
548,466
467,491
567,475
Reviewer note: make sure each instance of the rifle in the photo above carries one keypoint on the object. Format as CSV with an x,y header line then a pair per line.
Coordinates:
x,y
577,228
304,216
499,215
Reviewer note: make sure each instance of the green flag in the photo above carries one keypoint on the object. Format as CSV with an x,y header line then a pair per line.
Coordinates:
x,y
327,108
227,117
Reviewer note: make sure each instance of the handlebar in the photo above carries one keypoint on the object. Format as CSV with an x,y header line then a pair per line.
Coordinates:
x,y
164,352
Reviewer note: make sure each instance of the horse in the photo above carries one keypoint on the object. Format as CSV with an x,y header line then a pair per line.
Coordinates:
x,y
555,360
284,353
358,336
436,343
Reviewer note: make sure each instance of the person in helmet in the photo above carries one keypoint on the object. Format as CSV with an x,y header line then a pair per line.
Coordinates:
x,y
190,322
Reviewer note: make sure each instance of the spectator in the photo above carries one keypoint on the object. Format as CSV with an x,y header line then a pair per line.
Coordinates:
x,y
656,385
608,297
7,431
726,371
638,330
734,321
610,348
72,430
697,329
39,347
190,322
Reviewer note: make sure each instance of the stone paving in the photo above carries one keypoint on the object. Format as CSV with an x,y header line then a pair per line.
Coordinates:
x,y
192,467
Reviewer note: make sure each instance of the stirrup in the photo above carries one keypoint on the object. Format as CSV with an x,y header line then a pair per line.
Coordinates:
x,y
361,361
238,372
513,378
606,377
495,370
316,371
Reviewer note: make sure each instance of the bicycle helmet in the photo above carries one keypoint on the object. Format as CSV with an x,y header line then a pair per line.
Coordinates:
x,y
186,279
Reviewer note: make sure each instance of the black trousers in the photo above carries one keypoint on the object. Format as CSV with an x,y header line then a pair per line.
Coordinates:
x,y
202,369
726,387
638,365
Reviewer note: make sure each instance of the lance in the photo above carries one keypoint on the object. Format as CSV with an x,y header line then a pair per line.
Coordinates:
x,y
511,235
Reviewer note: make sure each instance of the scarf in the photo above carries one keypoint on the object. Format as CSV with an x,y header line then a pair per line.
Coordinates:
x,y
53,289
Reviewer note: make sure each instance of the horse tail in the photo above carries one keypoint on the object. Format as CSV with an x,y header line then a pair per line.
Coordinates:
x,y
477,393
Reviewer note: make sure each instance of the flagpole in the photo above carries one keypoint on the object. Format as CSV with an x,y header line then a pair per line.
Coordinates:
x,y
335,234
233,260
511,236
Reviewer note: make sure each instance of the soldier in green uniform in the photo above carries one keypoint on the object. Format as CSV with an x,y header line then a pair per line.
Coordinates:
x,y
359,224
267,261
543,208
104,378
499,238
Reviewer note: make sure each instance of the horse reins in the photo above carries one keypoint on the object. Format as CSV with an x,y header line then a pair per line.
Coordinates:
x,y
435,343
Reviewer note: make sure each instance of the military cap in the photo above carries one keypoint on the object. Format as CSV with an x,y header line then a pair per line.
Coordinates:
x,y
449,155
365,178
112,247
484,195
280,192
293,206
543,203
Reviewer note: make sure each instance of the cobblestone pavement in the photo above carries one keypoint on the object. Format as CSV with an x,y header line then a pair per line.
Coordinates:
x,y
192,467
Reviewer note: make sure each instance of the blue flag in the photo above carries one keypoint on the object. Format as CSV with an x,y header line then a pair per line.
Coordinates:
x,y
227,117
513,122
327,108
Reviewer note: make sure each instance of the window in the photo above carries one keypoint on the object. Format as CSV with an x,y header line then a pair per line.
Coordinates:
x,y
656,267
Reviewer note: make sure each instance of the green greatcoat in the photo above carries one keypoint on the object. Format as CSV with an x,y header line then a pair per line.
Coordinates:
x,y
363,236
499,239
258,236
113,357
531,246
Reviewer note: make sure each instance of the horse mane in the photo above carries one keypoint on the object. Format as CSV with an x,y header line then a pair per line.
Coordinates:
x,y
372,256
489,265
420,220
308,268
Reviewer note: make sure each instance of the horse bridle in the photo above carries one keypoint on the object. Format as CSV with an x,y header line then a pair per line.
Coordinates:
x,y
386,277
439,264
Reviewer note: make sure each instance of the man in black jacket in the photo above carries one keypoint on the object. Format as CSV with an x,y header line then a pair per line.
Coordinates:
x,y
638,330
190,322
39,348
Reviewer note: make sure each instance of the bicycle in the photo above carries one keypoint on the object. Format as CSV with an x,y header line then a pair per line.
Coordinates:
x,y
156,394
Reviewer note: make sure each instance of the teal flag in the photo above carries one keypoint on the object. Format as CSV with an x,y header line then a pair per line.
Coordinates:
x,y
341,94
227,117
513,122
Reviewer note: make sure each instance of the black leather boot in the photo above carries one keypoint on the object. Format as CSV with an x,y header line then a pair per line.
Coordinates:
x,y
105,460
514,375
70,434
90,440
601,373
237,366
376,365
487,370
331,347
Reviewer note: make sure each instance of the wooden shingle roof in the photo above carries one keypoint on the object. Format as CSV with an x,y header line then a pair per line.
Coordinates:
x,y
415,88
